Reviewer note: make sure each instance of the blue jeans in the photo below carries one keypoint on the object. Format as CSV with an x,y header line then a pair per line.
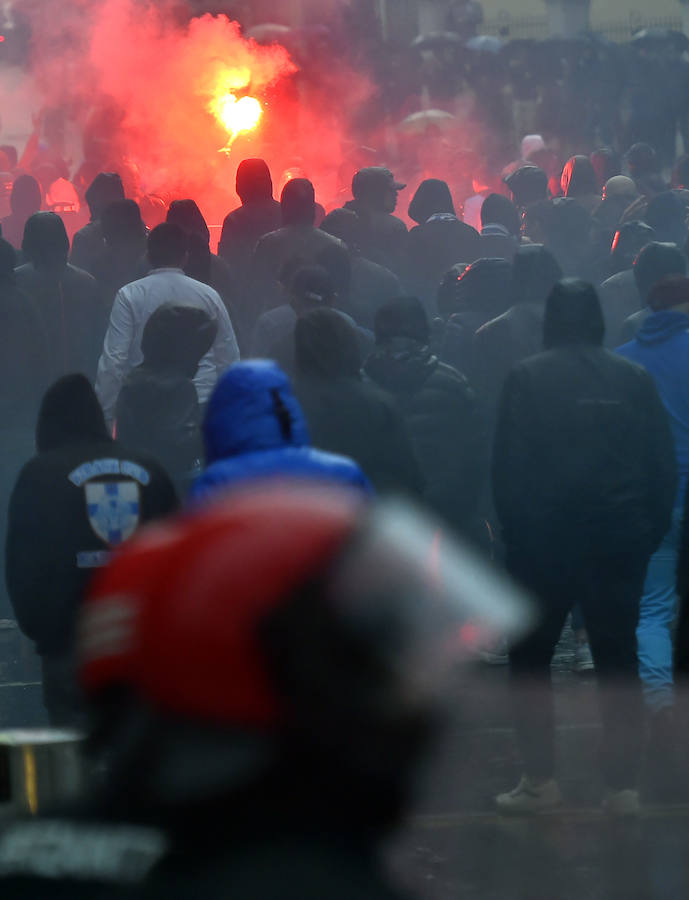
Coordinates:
x,y
656,621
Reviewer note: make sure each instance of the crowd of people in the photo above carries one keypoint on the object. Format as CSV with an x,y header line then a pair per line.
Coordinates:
x,y
517,369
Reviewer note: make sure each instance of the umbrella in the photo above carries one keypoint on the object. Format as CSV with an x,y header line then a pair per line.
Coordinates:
x,y
420,122
269,33
437,40
655,36
485,43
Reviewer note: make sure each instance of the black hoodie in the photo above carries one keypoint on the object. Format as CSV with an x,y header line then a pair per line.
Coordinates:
x,y
81,496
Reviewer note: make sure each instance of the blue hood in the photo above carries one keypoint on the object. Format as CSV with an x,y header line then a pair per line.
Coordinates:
x,y
660,326
242,412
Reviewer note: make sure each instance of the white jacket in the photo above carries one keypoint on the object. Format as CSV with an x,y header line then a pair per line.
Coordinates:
x,y
133,307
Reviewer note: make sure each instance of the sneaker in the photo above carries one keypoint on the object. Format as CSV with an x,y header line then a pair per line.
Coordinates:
x,y
622,804
530,796
583,660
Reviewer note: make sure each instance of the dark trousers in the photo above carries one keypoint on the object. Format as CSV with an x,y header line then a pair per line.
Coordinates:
x,y
608,590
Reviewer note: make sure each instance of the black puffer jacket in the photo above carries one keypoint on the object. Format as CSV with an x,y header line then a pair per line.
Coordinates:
x,y
583,461
445,425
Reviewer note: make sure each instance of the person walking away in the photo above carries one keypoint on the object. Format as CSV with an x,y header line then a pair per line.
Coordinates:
x,y
80,497
158,412
441,411
661,346
254,429
584,480
346,414
66,299
135,303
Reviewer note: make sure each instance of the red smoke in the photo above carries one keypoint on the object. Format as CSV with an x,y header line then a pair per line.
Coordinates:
x,y
139,86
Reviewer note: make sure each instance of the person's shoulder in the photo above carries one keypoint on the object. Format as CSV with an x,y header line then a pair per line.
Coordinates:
x,y
80,276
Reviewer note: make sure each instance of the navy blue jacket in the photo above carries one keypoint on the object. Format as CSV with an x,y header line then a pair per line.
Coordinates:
x,y
254,428
661,346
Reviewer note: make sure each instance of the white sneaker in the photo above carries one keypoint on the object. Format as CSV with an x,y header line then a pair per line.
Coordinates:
x,y
583,659
622,804
529,796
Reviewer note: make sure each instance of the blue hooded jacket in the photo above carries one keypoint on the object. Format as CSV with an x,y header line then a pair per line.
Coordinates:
x,y
661,346
254,428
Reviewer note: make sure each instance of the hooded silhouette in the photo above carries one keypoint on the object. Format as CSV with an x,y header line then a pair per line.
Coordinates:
x,y
25,200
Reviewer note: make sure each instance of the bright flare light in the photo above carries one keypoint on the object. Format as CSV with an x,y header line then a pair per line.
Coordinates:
x,y
236,116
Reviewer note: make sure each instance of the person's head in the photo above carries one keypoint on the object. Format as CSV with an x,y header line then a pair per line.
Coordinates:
x,y
485,287
322,679
345,225
311,286
432,197
326,345
252,407
655,262
105,188
620,188
8,261
671,292
628,241
535,272
254,182
528,185
573,315
26,197
298,202
167,246
498,210
403,317
123,226
531,143
176,338
45,241
188,216
666,214
70,414
606,164
376,190
579,178
641,159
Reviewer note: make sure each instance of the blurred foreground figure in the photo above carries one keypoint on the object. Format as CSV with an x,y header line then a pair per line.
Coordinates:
x,y
265,678
79,498
584,478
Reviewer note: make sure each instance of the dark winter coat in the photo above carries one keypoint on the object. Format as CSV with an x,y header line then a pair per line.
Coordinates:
x,y
71,311
255,429
444,423
60,528
619,298
583,459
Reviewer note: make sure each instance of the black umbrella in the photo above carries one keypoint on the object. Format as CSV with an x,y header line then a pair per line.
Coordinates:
x,y
655,37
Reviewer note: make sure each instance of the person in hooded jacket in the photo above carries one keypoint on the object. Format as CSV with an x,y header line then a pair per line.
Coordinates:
x,y
88,242
579,182
370,285
81,496
254,428
500,228
201,264
259,214
346,414
481,292
158,411
661,346
655,261
517,333
66,299
443,417
584,480
25,200
298,238
123,257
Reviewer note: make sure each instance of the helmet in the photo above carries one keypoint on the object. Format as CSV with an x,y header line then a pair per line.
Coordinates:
x,y
291,613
